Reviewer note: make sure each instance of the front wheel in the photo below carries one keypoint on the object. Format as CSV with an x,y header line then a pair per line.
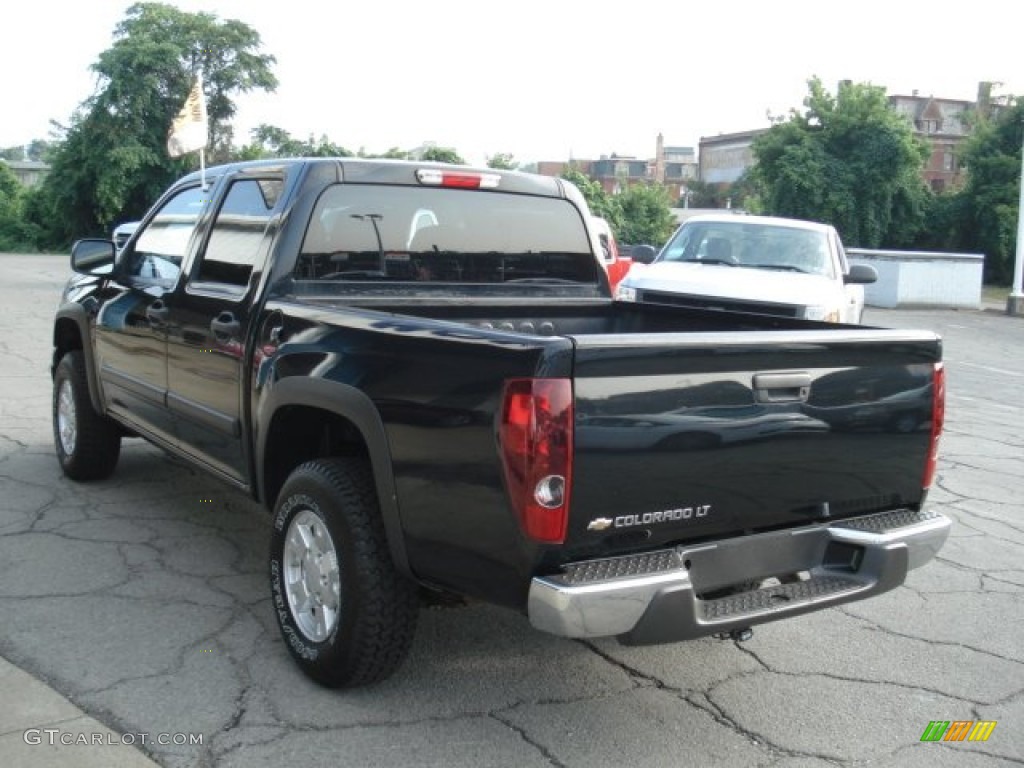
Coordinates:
x,y
347,616
88,443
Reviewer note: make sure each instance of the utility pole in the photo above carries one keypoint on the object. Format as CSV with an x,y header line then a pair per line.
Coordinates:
x,y
1015,301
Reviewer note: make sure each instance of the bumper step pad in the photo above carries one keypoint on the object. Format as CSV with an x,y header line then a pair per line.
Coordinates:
x,y
655,597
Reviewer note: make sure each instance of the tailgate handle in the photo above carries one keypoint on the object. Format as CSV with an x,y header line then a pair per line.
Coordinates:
x,y
782,387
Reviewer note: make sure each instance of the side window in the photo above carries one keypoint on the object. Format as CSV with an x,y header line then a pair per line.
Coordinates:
x,y
159,250
238,231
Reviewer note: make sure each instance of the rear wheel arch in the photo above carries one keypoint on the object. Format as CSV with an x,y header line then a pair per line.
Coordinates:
x,y
304,419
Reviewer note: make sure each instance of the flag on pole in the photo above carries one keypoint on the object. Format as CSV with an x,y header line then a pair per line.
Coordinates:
x,y
189,131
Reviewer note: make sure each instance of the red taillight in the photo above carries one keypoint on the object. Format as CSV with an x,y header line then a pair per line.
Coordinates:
x,y
938,419
460,180
535,442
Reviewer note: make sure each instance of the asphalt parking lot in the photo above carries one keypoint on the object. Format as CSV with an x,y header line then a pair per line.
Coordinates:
x,y
143,601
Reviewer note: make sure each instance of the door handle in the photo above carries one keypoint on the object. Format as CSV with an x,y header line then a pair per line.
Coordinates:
x,y
157,313
782,387
225,324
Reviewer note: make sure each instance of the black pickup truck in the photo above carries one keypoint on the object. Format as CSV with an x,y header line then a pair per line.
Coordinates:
x,y
419,370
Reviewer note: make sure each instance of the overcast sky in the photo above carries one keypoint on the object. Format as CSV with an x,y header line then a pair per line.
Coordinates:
x,y
540,79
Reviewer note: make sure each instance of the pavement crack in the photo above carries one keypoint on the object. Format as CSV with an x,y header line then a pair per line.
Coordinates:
x,y
752,654
636,674
705,704
930,641
525,737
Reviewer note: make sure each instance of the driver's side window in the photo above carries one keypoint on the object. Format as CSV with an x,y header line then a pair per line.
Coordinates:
x,y
163,243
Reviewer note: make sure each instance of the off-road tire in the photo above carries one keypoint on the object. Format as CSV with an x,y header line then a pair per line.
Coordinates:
x,y
376,607
88,443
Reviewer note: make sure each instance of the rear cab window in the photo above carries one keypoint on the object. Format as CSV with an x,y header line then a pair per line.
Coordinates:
x,y
400,234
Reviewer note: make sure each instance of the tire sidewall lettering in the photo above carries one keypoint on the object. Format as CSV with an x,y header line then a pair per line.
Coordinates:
x,y
301,646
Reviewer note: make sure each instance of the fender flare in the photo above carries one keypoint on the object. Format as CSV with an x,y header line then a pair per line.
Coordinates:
x,y
76,314
353,405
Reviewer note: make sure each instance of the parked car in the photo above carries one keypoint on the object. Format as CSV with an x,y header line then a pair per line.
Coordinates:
x,y
761,264
614,263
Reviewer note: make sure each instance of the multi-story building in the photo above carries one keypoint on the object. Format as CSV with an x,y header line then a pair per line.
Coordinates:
x,y
29,172
671,166
943,124
726,157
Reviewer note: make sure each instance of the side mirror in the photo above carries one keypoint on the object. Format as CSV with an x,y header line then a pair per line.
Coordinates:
x,y
644,254
93,256
861,274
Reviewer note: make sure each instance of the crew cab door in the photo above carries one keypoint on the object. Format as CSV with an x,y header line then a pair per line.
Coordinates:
x,y
208,323
131,326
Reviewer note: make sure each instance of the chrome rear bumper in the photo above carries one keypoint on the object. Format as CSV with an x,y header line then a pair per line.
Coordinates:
x,y
670,594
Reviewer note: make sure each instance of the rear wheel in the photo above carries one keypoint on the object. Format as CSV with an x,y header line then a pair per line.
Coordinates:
x,y
88,443
347,616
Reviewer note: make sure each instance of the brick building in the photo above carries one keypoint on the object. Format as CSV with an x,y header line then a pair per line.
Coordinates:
x,y
671,166
944,124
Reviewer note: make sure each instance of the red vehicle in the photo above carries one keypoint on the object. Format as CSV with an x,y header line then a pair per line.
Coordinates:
x,y
615,264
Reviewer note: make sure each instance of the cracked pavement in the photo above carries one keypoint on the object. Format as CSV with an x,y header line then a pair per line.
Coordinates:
x,y
143,600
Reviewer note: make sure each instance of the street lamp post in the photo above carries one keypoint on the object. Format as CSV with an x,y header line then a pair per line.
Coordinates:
x,y
1015,301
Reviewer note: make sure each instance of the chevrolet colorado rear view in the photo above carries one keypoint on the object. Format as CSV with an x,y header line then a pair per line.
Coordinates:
x,y
420,371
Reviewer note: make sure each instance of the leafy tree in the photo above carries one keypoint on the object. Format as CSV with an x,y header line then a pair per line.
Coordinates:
x,y
502,160
15,233
646,214
848,159
41,150
702,194
392,154
986,210
443,155
113,163
600,202
271,141
743,193
14,154
9,187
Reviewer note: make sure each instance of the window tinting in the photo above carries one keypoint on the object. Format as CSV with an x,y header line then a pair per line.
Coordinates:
x,y
238,231
160,248
382,232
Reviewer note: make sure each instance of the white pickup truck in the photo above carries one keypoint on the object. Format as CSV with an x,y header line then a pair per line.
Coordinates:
x,y
760,264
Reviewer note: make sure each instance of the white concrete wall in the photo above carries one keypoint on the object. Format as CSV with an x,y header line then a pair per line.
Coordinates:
x,y
922,278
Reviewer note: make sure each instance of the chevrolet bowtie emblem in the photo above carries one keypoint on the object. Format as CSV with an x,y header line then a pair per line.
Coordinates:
x,y
599,524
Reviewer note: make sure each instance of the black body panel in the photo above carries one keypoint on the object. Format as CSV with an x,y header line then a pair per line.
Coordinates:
x,y
719,423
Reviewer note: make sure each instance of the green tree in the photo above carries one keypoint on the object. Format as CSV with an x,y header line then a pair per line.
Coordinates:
x,y
271,141
9,186
443,155
850,160
16,234
986,210
600,202
646,215
703,194
113,162
14,154
502,160
392,154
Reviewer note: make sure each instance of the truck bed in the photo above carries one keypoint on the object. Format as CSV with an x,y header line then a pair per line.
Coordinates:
x,y
689,425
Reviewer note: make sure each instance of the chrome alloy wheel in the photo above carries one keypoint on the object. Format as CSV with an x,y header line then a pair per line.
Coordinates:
x,y
312,580
67,418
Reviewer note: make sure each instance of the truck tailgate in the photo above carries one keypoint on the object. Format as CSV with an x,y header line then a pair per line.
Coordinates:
x,y
685,437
